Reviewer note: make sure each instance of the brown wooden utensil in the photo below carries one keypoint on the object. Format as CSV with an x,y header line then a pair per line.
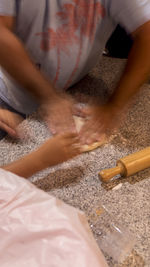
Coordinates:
x,y
128,165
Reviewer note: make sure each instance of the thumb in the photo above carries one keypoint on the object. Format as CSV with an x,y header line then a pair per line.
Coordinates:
x,y
9,130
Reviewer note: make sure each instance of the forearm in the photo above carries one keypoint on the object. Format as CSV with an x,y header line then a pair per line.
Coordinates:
x,y
15,60
136,72
27,165
54,151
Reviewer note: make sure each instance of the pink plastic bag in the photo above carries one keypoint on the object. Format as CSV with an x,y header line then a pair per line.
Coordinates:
x,y
38,230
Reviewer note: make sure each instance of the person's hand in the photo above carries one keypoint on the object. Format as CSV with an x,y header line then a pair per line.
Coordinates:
x,y
100,120
9,122
58,149
58,114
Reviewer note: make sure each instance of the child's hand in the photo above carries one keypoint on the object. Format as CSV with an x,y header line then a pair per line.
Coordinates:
x,y
59,149
56,150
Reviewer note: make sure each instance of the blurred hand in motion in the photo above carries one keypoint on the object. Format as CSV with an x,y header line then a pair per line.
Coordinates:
x,y
100,120
58,114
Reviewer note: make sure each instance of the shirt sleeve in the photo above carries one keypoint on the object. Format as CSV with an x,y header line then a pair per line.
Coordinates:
x,y
131,14
7,7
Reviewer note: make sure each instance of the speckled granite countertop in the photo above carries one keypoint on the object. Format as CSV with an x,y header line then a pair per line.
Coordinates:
x,y
77,183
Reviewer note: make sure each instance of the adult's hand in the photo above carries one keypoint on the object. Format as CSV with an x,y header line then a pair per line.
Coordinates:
x,y
58,114
100,120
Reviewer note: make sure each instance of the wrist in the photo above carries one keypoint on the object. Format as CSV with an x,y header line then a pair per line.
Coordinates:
x,y
117,103
48,95
41,88
40,160
42,155
113,107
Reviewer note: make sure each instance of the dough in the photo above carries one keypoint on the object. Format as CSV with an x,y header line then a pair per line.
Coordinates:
x,y
79,122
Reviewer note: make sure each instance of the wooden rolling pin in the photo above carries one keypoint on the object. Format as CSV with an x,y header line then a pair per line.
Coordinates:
x,y
128,165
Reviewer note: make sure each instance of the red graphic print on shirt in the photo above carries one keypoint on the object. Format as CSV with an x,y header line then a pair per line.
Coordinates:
x,y
79,20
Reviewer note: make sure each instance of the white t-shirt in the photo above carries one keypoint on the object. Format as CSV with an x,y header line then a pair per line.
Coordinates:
x,y
65,38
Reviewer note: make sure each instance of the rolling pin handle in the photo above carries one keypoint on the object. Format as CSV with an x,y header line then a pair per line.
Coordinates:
x,y
107,174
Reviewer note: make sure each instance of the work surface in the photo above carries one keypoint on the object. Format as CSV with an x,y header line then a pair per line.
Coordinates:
x,y
77,182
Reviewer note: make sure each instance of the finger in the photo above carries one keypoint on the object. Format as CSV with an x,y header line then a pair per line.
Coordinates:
x,y
76,149
53,127
12,132
75,142
11,127
95,133
91,133
86,132
95,137
72,139
58,127
71,135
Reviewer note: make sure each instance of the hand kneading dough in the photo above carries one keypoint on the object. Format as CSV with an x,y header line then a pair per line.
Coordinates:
x,y
79,122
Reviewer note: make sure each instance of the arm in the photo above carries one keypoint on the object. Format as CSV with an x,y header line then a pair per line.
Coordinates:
x,y
105,118
15,60
13,55
26,166
56,150
137,70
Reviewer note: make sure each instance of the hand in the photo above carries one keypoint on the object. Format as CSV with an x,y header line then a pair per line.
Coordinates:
x,y
9,122
58,113
59,149
101,120
56,150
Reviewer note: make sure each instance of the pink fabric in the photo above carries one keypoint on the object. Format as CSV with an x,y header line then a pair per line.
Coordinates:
x,y
38,230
